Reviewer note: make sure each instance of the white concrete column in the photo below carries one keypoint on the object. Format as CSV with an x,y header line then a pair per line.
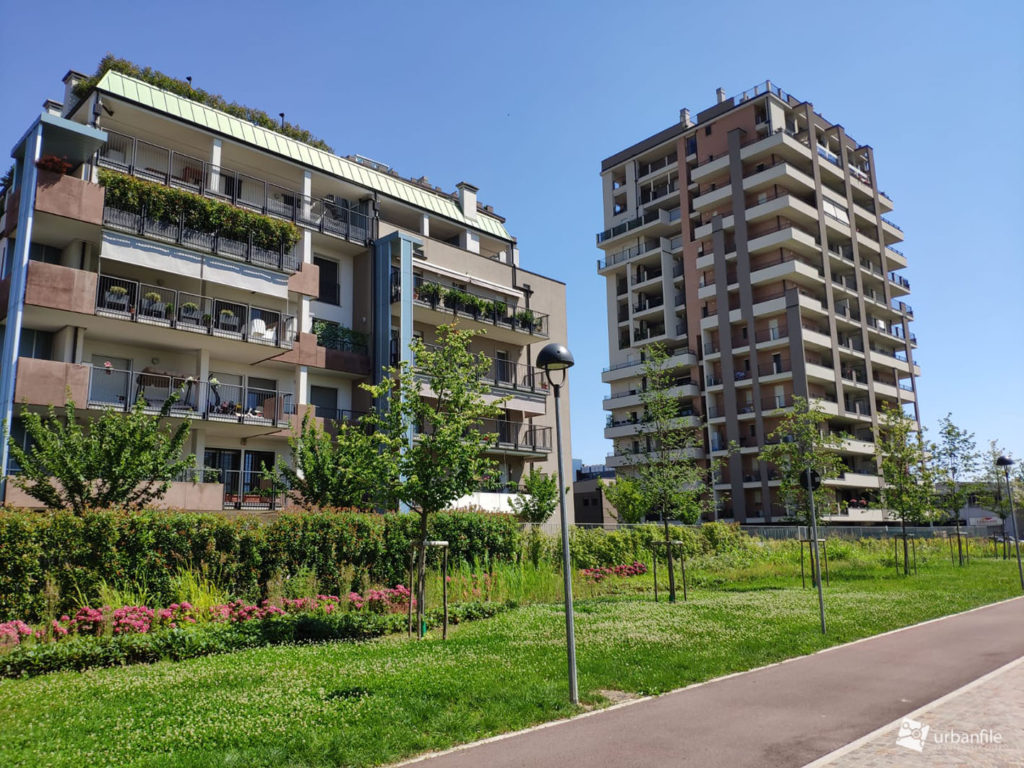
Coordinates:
x,y
425,225
301,385
204,364
307,193
215,154
78,349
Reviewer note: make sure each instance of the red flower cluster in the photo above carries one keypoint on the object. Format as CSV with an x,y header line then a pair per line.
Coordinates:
x,y
382,600
601,573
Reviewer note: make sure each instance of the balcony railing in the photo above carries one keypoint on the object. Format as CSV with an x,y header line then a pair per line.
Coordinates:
x,y
251,489
338,415
899,280
640,361
518,436
205,400
651,302
151,162
144,225
209,315
481,308
332,335
647,217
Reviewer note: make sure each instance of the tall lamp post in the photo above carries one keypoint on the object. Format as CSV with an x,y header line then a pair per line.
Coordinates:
x,y
1006,463
555,357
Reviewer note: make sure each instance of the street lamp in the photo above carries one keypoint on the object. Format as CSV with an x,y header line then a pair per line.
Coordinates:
x,y
1006,463
555,357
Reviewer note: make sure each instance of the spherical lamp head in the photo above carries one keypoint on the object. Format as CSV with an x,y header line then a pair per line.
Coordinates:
x,y
555,357
1002,461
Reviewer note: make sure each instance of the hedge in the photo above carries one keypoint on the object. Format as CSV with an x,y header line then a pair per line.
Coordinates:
x,y
50,562
185,89
202,214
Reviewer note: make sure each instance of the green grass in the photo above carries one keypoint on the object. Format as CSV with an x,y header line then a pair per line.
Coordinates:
x,y
370,703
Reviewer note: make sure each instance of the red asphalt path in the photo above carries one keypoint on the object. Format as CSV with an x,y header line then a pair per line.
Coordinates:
x,y
784,715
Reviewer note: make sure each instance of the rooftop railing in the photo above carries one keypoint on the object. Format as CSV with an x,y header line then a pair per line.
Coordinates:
x,y
161,165
158,305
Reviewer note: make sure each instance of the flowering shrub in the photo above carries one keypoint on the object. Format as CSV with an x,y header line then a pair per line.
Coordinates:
x,y
320,603
176,615
11,632
239,611
88,621
599,574
394,600
132,619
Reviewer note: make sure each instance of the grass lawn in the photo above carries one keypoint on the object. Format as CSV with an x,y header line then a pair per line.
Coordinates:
x,y
376,702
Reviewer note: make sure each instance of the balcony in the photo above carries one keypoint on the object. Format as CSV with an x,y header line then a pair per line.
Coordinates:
x,y
518,437
649,217
198,400
211,316
329,215
482,309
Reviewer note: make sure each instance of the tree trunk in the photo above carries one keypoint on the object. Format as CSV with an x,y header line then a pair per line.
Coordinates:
x,y
959,546
671,568
421,575
906,564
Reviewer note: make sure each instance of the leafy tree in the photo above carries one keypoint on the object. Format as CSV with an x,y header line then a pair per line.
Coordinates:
x,y
954,458
906,477
539,497
624,494
667,473
798,443
431,433
118,460
991,482
341,471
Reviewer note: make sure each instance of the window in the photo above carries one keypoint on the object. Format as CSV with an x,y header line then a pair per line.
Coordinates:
x,y
330,291
325,401
45,253
36,344
20,437
707,130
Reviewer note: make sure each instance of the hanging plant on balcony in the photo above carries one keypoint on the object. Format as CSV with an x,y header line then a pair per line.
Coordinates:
x,y
455,299
54,164
429,292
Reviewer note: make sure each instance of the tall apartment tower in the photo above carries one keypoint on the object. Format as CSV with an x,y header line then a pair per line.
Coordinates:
x,y
752,244
111,302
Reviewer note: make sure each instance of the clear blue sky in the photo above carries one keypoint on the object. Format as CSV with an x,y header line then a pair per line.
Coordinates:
x,y
525,99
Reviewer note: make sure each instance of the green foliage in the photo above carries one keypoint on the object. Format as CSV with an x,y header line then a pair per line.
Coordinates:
x,y
906,477
538,499
954,459
336,336
625,495
799,443
118,460
203,214
239,557
183,88
342,471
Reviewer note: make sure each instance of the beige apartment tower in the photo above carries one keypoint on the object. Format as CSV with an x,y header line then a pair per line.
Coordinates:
x,y
752,243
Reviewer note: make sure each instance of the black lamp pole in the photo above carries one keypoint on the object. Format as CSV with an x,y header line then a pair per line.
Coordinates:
x,y
1006,463
555,357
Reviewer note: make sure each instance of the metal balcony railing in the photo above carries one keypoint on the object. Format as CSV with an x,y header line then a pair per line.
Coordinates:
x,y
518,436
210,315
329,215
252,489
205,400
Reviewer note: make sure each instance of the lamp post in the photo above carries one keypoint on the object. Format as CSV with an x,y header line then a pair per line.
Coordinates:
x,y
555,357
1006,463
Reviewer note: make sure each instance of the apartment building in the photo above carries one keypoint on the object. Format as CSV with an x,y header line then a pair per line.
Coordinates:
x,y
121,303
752,243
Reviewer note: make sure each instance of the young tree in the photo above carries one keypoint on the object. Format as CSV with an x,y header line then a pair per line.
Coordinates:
x,y
538,499
432,437
117,460
341,471
666,471
624,494
954,458
906,479
801,442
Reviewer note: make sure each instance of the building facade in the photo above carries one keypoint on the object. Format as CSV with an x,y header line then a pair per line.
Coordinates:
x,y
752,244
110,301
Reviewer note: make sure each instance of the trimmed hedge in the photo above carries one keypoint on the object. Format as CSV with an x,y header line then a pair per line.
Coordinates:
x,y
185,89
83,652
344,549
202,214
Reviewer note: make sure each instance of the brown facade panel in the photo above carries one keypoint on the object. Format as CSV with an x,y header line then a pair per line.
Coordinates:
x,y
306,281
57,287
50,382
69,197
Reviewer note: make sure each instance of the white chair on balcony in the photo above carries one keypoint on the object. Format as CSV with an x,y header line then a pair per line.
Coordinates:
x,y
258,331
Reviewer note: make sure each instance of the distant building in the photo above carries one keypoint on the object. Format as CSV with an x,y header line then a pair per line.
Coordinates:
x,y
591,507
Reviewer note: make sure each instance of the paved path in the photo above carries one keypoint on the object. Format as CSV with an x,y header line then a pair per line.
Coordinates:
x,y
980,725
789,714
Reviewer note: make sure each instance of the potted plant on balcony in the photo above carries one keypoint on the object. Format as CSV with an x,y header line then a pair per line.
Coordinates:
x,y
152,305
227,321
501,311
526,319
189,313
455,299
429,292
54,164
473,304
116,297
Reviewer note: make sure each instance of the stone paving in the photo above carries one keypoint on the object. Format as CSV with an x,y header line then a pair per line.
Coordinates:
x,y
981,726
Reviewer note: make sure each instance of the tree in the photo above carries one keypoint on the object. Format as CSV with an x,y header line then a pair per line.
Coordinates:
x,y
954,458
431,433
539,497
624,494
801,442
341,471
117,460
906,479
667,474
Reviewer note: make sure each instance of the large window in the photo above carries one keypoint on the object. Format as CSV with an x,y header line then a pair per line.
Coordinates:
x,y
37,344
330,291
